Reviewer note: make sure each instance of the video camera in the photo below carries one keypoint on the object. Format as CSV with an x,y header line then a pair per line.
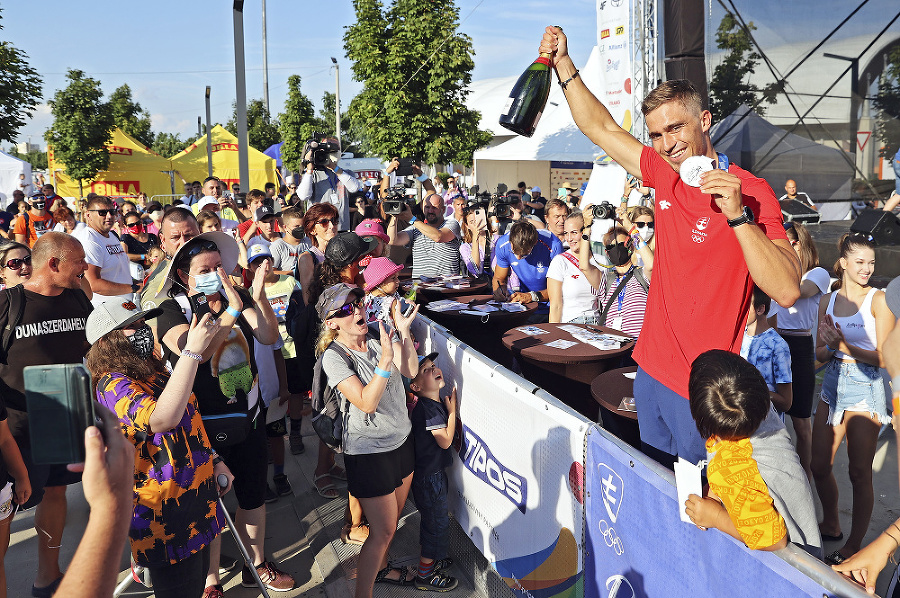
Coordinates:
x,y
324,153
503,205
395,199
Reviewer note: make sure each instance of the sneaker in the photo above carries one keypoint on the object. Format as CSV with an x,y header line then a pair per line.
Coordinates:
x,y
436,582
270,494
282,486
213,592
270,575
226,563
297,447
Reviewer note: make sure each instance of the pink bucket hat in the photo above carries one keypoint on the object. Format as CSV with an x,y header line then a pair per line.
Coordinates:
x,y
379,270
371,228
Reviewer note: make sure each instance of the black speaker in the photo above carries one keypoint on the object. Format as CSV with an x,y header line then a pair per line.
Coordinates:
x,y
882,226
796,211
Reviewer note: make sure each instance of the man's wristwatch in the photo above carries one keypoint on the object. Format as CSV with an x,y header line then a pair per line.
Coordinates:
x,y
745,217
135,287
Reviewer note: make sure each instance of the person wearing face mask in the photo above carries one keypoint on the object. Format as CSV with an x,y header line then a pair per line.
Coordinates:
x,y
137,241
34,222
286,249
621,285
176,513
226,385
643,219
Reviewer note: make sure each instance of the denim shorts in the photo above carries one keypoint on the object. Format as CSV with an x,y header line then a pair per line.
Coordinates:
x,y
856,387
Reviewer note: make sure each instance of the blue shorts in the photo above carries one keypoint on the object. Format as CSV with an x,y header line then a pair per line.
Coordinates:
x,y
856,387
664,419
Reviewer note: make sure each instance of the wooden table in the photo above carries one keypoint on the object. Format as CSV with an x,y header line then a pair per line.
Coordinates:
x,y
608,389
581,362
482,333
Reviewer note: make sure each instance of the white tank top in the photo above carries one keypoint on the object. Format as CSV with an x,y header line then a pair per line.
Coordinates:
x,y
858,329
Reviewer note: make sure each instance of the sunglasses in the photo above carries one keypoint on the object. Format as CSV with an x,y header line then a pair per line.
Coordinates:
x,y
204,245
643,224
347,310
104,213
323,222
16,262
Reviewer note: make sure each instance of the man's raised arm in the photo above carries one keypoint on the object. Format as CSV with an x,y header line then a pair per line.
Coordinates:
x,y
589,113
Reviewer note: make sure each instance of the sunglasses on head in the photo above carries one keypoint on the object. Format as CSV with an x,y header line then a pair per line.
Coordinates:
x,y
347,310
204,245
104,212
643,224
16,262
324,221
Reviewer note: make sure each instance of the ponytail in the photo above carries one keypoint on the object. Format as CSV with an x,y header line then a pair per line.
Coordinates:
x,y
847,243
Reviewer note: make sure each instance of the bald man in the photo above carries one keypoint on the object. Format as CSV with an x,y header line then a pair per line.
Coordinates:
x,y
791,193
50,331
178,226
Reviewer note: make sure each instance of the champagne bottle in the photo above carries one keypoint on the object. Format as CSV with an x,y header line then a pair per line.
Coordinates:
x,y
528,97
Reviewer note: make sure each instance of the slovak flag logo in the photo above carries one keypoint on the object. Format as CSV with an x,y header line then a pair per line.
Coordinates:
x,y
702,223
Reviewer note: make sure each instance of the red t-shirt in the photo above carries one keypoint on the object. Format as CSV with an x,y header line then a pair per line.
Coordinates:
x,y
700,292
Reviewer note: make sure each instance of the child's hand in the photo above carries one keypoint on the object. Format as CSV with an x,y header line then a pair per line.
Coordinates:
x,y
703,511
450,402
23,490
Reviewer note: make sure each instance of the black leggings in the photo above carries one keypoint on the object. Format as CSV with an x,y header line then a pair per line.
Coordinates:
x,y
803,374
184,578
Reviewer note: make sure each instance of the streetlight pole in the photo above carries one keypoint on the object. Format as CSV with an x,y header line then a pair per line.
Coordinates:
x,y
209,167
240,77
854,99
337,99
265,59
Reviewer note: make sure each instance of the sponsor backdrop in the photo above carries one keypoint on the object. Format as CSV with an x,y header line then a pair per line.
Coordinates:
x,y
613,41
636,545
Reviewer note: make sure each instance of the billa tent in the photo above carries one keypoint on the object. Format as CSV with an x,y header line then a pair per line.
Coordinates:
x,y
10,169
133,168
191,163
771,153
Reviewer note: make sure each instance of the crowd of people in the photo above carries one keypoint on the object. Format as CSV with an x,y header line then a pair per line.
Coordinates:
x,y
205,323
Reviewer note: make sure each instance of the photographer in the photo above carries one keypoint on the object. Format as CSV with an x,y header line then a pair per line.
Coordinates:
x,y
324,181
434,240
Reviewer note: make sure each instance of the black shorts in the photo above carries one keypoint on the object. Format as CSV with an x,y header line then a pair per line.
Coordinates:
x,y
299,375
803,374
249,465
379,474
40,476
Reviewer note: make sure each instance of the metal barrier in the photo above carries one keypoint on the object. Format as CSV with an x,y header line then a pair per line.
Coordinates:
x,y
163,201
527,489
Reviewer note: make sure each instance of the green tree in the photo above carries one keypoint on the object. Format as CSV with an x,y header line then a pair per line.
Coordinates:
x,y
888,103
415,68
729,86
168,144
326,117
130,116
82,126
36,158
297,124
20,90
261,131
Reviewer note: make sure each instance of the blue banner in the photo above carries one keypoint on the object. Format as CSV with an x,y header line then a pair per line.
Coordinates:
x,y
636,546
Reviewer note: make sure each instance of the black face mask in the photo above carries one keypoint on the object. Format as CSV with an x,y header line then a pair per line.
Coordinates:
x,y
142,341
618,254
298,233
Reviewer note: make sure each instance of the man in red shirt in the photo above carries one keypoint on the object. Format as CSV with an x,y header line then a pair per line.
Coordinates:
x,y
714,241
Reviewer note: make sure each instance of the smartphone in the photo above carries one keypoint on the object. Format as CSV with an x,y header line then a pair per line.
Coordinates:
x,y
199,305
406,307
405,168
60,408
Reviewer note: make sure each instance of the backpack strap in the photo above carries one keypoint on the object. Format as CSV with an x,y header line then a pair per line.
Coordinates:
x,y
639,275
615,293
14,312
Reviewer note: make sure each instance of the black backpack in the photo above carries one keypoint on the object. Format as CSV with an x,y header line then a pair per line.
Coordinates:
x,y
327,419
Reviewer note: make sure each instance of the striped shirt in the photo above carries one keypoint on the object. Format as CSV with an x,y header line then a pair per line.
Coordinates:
x,y
431,258
629,305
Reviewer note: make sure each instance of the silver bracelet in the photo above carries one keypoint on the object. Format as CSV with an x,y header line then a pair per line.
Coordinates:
x,y
191,355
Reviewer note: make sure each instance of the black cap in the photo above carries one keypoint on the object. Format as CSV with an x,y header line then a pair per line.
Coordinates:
x,y
346,248
265,211
152,206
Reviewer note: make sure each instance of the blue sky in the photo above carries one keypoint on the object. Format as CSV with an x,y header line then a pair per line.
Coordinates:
x,y
168,51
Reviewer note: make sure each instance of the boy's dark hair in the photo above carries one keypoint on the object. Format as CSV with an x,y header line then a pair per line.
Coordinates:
x,y
728,397
761,299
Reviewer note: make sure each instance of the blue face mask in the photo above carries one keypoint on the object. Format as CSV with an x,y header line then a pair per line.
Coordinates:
x,y
208,283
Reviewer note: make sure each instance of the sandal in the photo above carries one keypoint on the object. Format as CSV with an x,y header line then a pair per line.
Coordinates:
x,y
835,558
328,490
443,564
436,582
348,529
382,576
337,473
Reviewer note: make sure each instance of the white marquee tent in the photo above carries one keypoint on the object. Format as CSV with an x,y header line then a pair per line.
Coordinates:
x,y
10,169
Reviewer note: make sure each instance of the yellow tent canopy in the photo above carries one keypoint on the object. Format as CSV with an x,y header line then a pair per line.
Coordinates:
x,y
133,168
191,163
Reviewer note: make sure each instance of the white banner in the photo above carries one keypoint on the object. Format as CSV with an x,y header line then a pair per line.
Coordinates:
x,y
613,35
517,477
